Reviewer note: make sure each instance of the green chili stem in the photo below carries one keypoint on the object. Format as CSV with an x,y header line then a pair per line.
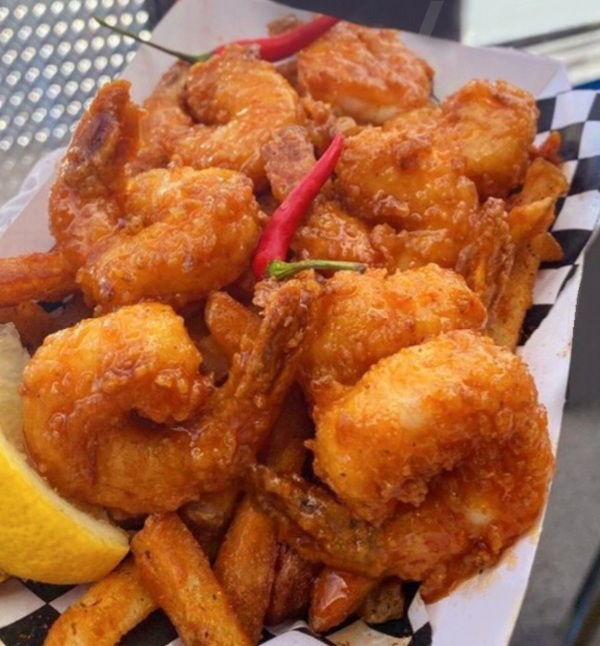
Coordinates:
x,y
184,57
280,270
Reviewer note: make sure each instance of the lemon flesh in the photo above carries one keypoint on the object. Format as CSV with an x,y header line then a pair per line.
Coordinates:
x,y
42,537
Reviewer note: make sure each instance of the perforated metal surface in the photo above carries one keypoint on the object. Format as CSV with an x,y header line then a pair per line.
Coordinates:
x,y
53,58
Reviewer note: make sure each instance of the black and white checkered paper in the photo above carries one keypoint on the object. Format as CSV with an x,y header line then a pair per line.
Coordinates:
x,y
28,609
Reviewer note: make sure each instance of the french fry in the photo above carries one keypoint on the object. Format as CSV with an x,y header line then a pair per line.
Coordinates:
x,y
335,596
548,248
294,577
35,276
4,576
106,612
530,217
526,221
542,180
507,315
286,453
383,603
245,566
549,149
177,574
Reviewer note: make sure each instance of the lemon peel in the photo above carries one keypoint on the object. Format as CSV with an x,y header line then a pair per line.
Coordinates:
x,y
42,536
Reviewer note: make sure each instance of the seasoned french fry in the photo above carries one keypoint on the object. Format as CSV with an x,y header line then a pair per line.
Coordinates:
x,y
542,180
384,603
548,248
178,576
294,577
335,596
526,221
245,566
549,149
35,276
106,612
508,313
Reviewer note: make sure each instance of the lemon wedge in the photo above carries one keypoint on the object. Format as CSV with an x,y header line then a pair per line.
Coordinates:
x,y
42,537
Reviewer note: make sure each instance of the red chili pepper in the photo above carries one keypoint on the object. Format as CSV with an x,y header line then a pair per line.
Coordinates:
x,y
271,48
280,229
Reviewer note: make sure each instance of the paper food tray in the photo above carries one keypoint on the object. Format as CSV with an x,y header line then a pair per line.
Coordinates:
x,y
483,610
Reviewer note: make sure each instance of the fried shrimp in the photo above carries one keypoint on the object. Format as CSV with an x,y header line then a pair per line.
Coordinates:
x,y
86,200
238,102
197,232
117,414
402,178
170,235
441,449
365,73
361,319
85,203
492,125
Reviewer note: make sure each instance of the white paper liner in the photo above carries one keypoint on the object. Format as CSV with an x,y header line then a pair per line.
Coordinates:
x,y
484,609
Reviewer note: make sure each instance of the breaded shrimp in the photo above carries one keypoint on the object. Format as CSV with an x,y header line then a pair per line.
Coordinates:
x,y
330,232
170,235
117,414
443,446
365,73
86,200
416,414
489,125
402,178
492,125
360,319
238,101
198,232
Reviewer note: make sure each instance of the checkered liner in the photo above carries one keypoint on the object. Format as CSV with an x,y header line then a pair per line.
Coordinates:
x,y
28,609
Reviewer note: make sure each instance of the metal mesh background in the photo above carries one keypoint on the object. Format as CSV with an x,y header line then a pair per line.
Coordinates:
x,y
53,58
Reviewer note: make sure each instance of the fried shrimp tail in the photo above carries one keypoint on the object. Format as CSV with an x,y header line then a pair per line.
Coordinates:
x,y
118,414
